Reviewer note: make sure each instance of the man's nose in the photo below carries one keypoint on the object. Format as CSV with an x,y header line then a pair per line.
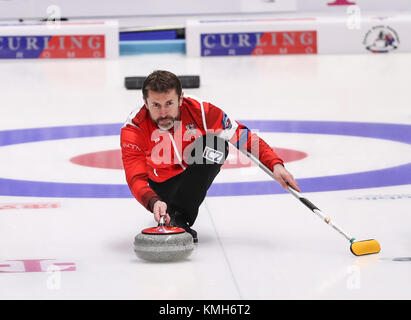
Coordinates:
x,y
163,112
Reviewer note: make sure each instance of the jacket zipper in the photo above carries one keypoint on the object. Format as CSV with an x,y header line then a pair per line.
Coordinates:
x,y
180,160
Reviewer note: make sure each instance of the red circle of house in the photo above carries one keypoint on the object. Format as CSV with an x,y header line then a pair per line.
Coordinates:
x,y
111,159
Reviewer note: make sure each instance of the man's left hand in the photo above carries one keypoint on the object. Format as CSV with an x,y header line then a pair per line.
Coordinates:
x,y
284,178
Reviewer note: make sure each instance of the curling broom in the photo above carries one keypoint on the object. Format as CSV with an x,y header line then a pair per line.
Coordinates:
x,y
358,248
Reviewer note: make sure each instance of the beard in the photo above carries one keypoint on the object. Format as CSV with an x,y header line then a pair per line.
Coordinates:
x,y
165,123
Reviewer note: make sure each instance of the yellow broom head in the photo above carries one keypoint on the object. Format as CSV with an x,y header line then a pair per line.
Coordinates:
x,y
360,248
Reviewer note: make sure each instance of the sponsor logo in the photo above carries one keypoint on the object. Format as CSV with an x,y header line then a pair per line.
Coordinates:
x,y
402,259
381,39
382,197
46,205
56,46
131,146
259,43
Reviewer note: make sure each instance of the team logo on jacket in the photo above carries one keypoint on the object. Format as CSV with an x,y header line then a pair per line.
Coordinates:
x,y
213,155
226,122
191,128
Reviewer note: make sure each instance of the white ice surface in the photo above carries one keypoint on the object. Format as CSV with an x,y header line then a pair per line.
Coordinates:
x,y
250,247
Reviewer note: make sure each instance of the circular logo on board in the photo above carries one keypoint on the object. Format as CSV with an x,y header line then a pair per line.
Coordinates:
x,y
381,39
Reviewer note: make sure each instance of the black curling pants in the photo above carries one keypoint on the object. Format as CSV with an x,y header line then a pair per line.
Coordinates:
x,y
185,192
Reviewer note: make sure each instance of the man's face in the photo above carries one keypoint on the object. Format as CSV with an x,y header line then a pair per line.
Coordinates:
x,y
164,107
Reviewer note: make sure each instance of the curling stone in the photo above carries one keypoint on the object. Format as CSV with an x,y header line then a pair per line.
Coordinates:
x,y
163,243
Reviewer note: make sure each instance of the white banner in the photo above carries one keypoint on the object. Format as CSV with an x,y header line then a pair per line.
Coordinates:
x,y
304,35
60,40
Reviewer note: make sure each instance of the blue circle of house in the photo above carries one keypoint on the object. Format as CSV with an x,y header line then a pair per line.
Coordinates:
x,y
398,175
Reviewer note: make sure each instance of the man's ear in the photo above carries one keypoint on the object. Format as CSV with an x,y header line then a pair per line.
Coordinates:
x,y
181,98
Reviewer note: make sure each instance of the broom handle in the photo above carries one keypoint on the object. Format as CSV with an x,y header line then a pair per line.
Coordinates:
x,y
319,213
162,222
300,197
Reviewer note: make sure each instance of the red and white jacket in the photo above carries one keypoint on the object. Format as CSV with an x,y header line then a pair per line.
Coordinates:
x,y
151,153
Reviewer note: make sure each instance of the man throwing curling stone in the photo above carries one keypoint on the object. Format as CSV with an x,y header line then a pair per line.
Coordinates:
x,y
173,147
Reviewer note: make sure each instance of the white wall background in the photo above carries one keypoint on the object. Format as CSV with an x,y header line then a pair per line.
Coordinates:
x,y
165,12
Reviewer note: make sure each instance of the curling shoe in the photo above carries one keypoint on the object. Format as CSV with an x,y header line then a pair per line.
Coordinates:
x,y
177,221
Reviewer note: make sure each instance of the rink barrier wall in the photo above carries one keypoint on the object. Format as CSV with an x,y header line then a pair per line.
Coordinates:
x,y
300,35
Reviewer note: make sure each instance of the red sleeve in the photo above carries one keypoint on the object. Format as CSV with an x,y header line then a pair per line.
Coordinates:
x,y
133,147
240,136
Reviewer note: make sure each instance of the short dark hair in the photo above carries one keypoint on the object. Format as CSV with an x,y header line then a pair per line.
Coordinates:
x,y
161,81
